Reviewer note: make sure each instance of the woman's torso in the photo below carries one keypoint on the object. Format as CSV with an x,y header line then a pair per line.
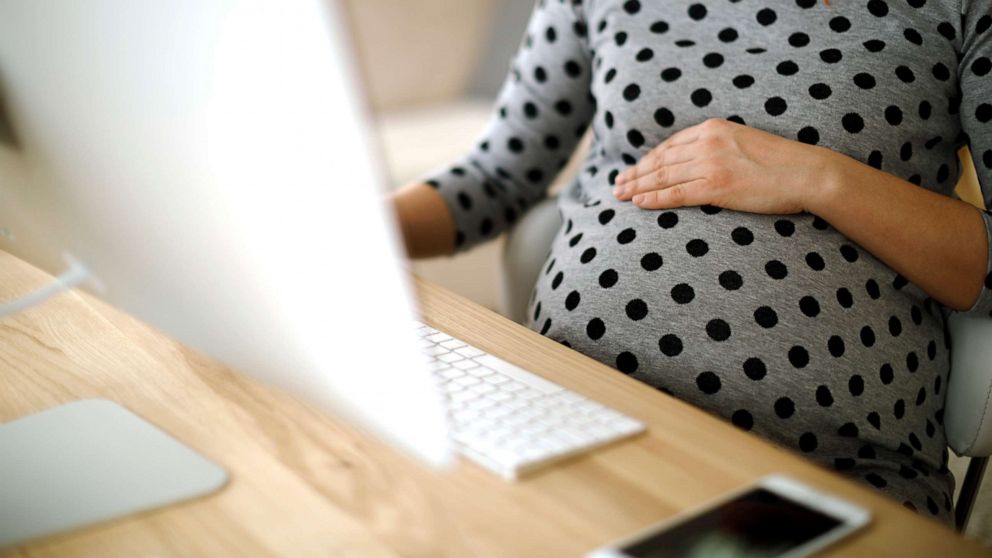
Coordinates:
x,y
778,323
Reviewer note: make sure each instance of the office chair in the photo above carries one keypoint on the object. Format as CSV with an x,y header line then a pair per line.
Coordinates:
x,y
968,408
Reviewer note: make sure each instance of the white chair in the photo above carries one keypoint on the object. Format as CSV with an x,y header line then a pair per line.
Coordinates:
x,y
968,409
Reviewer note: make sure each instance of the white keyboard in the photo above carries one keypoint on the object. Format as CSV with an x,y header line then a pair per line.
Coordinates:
x,y
510,420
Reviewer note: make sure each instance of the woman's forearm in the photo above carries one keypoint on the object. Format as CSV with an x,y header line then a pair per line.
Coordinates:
x,y
425,221
937,242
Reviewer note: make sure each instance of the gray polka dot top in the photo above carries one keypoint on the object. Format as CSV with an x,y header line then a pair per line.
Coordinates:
x,y
777,323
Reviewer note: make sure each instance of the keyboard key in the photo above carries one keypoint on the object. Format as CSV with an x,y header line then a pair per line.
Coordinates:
x,y
464,364
463,396
481,403
452,344
529,394
570,397
452,387
421,326
469,352
436,350
512,387
500,396
438,337
483,388
498,412
450,357
450,373
466,381
513,403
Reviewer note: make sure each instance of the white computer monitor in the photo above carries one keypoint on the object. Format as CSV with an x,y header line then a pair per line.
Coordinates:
x,y
210,163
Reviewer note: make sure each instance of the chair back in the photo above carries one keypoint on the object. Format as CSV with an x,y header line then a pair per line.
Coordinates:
x,y
968,407
525,251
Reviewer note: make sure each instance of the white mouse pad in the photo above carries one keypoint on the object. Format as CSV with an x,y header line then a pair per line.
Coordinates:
x,y
91,461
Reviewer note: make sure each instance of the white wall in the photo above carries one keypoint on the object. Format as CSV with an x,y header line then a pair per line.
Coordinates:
x,y
418,52
419,59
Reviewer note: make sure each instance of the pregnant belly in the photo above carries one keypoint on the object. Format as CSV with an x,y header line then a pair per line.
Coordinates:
x,y
769,321
719,281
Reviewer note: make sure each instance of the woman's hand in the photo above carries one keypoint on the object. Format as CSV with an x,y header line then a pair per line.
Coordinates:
x,y
725,164
935,241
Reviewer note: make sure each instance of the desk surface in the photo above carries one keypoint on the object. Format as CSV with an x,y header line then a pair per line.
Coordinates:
x,y
306,484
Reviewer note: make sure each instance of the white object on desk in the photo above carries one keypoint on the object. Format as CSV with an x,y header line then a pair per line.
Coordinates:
x,y
509,420
90,461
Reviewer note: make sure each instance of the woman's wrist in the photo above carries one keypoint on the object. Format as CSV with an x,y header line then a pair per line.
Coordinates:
x,y
425,222
831,177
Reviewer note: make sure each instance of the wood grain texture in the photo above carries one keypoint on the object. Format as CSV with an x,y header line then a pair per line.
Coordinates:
x,y
304,483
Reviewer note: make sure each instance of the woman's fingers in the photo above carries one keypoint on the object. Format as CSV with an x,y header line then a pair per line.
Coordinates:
x,y
650,162
694,192
655,161
665,177
646,165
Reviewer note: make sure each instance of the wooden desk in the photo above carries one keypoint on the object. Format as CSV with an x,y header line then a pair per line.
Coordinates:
x,y
306,484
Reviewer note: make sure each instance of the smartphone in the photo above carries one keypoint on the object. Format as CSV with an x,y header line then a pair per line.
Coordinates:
x,y
776,517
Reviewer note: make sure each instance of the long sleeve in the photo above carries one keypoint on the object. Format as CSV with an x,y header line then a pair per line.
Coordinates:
x,y
542,111
975,75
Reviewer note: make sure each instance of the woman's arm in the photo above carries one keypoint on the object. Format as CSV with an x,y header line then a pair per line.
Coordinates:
x,y
937,242
542,111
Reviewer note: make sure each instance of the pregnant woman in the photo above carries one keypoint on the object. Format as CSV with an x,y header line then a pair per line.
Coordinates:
x,y
764,225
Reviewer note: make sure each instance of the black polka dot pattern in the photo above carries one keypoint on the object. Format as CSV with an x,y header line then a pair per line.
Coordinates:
x,y
777,323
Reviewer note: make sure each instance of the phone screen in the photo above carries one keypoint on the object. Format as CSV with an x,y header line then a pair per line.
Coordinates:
x,y
755,524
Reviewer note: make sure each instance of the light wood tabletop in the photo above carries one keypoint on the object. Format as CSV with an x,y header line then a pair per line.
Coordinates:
x,y
304,483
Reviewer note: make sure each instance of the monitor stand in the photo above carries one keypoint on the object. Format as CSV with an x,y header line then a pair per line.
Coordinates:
x,y
91,461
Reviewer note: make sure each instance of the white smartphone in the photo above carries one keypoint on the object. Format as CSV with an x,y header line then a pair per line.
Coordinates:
x,y
776,517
